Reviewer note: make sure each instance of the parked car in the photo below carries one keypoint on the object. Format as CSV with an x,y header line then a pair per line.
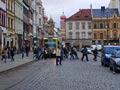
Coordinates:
x,y
115,61
107,53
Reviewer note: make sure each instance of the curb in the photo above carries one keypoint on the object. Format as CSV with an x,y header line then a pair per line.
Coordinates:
x,y
16,67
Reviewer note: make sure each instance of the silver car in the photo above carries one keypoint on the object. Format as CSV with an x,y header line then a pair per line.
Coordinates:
x,y
115,61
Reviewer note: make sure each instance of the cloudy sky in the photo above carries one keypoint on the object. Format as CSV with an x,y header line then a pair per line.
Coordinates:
x,y
55,8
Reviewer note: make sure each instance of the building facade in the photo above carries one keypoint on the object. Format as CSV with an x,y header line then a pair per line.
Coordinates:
x,y
40,17
106,26
10,27
18,23
30,35
26,22
79,29
2,23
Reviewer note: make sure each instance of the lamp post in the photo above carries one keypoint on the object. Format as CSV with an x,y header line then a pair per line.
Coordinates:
x,y
107,32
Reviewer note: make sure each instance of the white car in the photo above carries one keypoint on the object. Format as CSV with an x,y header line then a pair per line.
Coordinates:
x,y
89,50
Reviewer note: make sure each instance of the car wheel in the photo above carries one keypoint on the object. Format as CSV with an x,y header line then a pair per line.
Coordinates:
x,y
111,68
102,62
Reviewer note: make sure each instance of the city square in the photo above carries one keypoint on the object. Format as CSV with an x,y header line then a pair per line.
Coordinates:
x,y
59,45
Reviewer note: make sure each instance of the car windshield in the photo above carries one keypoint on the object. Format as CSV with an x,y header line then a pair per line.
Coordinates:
x,y
117,55
109,50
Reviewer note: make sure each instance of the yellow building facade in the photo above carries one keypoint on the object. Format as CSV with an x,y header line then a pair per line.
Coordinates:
x,y
106,29
10,37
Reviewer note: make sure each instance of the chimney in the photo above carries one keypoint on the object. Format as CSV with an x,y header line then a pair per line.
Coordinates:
x,y
102,8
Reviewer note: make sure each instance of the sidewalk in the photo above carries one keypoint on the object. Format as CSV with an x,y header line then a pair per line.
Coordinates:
x,y
18,62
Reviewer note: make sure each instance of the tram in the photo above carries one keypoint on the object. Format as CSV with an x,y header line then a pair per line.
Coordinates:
x,y
51,43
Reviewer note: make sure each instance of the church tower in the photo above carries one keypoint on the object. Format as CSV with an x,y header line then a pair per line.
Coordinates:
x,y
62,27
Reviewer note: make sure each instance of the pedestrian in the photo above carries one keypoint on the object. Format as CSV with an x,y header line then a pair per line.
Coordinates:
x,y
58,56
95,52
4,55
27,50
22,51
75,53
8,52
72,53
12,54
36,53
84,53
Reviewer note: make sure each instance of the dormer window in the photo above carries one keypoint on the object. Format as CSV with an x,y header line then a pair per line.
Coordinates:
x,y
86,16
77,16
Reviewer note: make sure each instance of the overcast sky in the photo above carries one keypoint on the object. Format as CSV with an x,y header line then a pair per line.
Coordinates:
x,y
55,8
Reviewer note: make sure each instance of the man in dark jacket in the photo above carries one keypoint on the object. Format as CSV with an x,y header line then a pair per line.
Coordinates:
x,y
95,52
84,53
12,54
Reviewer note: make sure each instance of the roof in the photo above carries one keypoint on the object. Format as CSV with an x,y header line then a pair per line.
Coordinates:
x,y
83,14
104,13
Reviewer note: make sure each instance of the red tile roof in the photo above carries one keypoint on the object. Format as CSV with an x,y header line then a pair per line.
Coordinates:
x,y
83,14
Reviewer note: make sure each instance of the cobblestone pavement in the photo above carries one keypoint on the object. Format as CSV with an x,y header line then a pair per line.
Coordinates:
x,y
71,75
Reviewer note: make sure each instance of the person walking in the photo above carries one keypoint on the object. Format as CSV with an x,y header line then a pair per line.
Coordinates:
x,y
27,50
22,51
84,53
4,55
12,54
75,53
58,56
95,52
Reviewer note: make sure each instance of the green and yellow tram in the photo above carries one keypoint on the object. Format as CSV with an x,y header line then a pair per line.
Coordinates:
x,y
51,43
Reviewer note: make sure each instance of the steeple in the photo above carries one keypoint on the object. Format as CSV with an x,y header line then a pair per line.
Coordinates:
x,y
63,16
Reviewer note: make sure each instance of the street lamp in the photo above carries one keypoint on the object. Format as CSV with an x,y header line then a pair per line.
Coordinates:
x,y
107,26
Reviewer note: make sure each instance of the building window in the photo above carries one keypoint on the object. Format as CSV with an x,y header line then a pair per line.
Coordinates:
x,y
95,36
114,25
70,26
39,10
77,35
0,19
89,25
107,25
70,35
3,1
77,25
39,22
101,35
83,25
95,26
89,35
101,25
114,34
11,23
83,35
4,20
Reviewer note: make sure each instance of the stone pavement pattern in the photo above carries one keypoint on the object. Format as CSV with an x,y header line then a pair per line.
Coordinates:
x,y
72,75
